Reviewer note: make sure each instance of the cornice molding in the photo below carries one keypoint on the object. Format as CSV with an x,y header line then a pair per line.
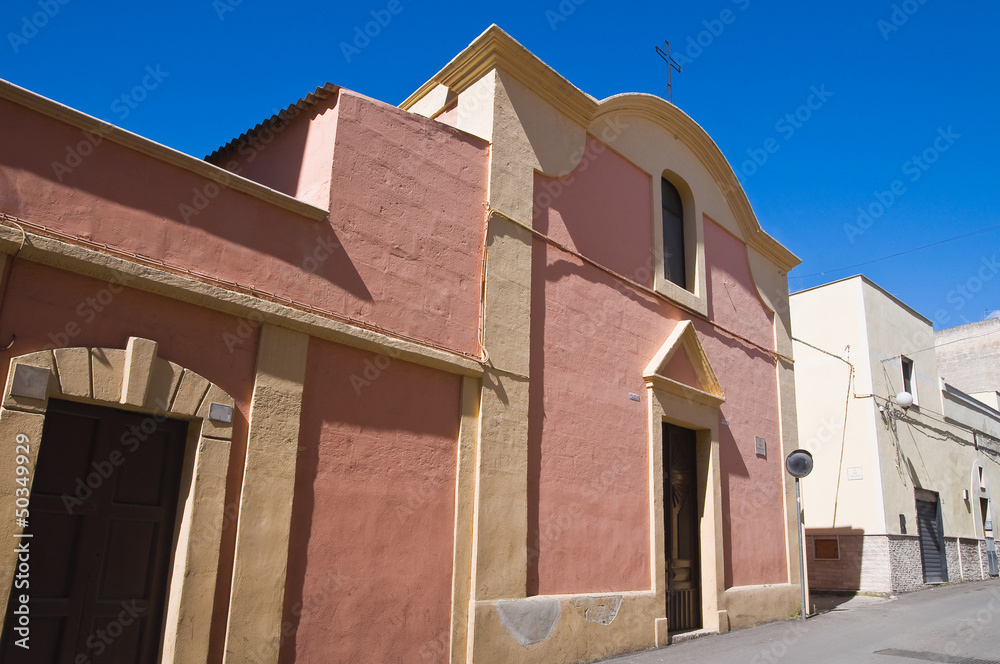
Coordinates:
x,y
689,132
495,49
683,336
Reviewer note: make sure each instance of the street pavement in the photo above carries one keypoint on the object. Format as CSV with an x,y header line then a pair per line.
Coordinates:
x,y
959,624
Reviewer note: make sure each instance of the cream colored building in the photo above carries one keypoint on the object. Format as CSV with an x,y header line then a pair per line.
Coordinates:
x,y
899,497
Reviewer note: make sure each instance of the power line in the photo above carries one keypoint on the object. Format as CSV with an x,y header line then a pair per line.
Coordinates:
x,y
901,253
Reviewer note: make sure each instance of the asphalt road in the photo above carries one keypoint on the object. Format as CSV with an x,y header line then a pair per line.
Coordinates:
x,y
958,624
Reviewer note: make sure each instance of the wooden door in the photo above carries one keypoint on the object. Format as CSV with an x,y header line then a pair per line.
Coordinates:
x,y
102,510
681,528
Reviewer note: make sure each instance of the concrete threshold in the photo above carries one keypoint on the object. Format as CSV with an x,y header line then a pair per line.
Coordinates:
x,y
691,636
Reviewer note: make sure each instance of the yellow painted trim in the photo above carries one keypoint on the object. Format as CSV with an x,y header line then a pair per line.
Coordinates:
x,y
96,264
691,134
703,418
162,153
194,568
682,391
257,600
495,49
465,496
684,335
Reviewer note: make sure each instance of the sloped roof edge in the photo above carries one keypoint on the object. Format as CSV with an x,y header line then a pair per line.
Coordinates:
x,y
322,93
495,49
149,147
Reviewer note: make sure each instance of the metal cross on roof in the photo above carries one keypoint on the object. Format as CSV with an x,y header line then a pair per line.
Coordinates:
x,y
671,66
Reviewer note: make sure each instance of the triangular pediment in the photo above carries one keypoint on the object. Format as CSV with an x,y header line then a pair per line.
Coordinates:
x,y
681,367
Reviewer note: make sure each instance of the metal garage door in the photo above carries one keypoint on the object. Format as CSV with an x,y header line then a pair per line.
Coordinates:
x,y
931,541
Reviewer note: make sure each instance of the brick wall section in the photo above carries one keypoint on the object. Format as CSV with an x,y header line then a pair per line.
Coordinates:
x,y
890,563
863,565
969,359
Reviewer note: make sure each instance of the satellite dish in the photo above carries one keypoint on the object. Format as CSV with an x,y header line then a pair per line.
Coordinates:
x,y
799,463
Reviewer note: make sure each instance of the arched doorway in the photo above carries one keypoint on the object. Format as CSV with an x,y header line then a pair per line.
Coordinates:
x,y
125,457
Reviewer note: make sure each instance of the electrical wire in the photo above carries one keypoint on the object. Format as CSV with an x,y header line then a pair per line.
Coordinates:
x,y
901,253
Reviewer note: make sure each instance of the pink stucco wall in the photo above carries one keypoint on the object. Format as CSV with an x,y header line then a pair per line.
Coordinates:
x,y
679,368
370,557
293,155
600,210
402,248
49,308
591,340
450,116
752,499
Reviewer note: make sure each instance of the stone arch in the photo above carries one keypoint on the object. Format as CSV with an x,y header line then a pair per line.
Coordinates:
x,y
134,378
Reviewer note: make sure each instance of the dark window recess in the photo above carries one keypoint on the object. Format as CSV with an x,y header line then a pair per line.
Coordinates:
x,y
674,268
907,375
826,548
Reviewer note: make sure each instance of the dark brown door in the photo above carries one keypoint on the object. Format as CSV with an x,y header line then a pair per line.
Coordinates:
x,y
102,513
681,528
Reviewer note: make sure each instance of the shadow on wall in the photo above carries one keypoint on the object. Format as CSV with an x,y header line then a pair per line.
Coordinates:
x,y
732,463
206,205
834,559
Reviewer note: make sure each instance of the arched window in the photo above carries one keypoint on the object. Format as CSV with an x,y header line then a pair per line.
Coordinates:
x,y
673,234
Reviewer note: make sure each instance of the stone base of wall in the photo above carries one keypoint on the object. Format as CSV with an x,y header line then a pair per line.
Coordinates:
x,y
890,563
904,560
973,559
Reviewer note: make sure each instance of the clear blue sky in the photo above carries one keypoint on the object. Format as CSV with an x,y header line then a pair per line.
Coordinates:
x,y
898,80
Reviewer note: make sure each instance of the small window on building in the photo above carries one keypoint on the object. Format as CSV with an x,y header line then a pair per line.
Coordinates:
x,y
674,268
826,548
907,365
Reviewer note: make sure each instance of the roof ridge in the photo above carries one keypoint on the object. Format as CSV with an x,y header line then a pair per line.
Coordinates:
x,y
321,93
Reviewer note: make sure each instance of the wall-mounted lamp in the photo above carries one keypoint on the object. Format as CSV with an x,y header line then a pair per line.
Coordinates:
x,y
904,400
